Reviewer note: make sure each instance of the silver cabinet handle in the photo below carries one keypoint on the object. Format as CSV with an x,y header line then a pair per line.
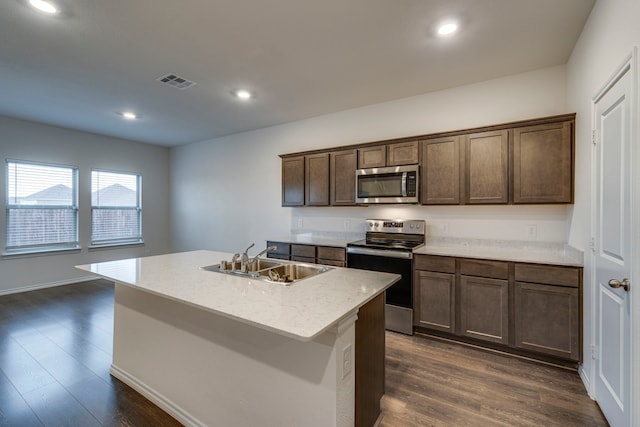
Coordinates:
x,y
625,284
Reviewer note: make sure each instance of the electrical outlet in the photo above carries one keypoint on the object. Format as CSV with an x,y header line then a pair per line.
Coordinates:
x,y
347,224
300,223
445,229
532,231
346,361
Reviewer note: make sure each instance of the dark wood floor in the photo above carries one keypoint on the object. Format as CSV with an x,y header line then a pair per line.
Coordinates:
x,y
55,352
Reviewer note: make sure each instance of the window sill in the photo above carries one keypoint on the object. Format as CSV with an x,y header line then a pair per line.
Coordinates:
x,y
39,252
115,245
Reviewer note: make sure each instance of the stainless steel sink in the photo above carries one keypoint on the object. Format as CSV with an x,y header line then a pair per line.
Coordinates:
x,y
289,273
282,272
257,265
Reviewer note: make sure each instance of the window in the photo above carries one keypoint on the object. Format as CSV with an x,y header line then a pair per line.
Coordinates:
x,y
42,209
115,208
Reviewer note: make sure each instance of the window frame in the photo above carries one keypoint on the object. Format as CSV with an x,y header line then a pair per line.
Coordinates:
x,y
43,247
105,243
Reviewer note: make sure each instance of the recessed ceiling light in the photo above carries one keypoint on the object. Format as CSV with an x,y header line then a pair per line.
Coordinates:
x,y
129,115
44,6
243,94
447,29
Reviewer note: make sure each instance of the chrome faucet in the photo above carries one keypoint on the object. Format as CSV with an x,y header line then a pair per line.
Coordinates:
x,y
269,248
244,260
233,261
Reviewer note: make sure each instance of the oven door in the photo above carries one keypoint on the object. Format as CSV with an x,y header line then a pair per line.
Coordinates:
x,y
399,296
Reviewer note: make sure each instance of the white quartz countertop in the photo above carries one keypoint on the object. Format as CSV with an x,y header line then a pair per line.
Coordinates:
x,y
500,250
541,253
302,310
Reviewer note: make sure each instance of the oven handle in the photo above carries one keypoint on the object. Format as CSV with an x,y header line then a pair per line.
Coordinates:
x,y
380,252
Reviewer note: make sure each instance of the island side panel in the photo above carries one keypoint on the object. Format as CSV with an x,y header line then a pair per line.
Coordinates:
x,y
370,354
206,369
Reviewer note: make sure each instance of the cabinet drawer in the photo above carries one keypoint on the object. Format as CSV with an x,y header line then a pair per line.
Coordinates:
x,y
309,260
548,274
481,268
331,262
335,254
435,263
308,251
281,248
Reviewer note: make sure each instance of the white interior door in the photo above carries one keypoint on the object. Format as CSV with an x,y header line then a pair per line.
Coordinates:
x,y
613,243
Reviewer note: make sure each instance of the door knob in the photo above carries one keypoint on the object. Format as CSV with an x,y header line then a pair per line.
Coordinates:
x,y
615,283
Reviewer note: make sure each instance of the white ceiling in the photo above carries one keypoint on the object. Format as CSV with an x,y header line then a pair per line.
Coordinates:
x,y
302,58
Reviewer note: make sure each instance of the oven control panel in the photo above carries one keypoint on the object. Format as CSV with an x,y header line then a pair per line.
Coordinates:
x,y
413,226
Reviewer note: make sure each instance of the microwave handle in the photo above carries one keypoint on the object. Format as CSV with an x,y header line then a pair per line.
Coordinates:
x,y
404,184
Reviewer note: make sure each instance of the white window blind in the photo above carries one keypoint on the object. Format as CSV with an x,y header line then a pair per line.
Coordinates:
x,y
116,210
42,209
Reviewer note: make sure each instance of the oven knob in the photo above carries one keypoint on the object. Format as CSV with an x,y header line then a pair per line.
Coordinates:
x,y
411,226
376,224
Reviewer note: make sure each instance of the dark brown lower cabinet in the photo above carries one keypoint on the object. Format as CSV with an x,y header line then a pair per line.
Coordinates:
x,y
326,255
435,300
547,319
484,309
527,309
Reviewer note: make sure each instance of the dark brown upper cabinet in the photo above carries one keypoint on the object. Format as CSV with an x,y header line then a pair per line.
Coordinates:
x,y
485,165
343,177
372,157
316,179
543,163
398,154
293,181
403,153
525,162
441,171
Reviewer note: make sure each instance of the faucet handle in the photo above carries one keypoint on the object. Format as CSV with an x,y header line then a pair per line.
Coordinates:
x,y
247,250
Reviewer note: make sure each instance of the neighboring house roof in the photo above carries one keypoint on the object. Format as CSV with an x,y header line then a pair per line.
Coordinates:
x,y
114,195
58,194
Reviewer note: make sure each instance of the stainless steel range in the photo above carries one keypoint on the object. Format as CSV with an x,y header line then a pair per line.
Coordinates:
x,y
388,247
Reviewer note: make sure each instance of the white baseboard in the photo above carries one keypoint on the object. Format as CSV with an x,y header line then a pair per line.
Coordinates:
x,y
157,398
47,285
585,380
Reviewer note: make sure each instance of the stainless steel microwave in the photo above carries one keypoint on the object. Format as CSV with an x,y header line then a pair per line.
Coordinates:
x,y
395,184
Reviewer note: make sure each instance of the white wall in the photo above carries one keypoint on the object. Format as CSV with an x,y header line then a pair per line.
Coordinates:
x,y
226,192
606,40
23,140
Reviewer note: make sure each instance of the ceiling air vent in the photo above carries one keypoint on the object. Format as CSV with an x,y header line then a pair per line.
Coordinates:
x,y
175,81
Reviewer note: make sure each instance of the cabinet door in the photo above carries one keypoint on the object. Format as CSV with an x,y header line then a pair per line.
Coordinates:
x,y
543,163
372,157
293,181
441,171
547,319
282,248
404,153
317,179
343,177
486,167
484,309
435,301
328,255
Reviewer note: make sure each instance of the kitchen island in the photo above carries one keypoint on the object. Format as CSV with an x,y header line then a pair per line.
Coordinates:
x,y
217,349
